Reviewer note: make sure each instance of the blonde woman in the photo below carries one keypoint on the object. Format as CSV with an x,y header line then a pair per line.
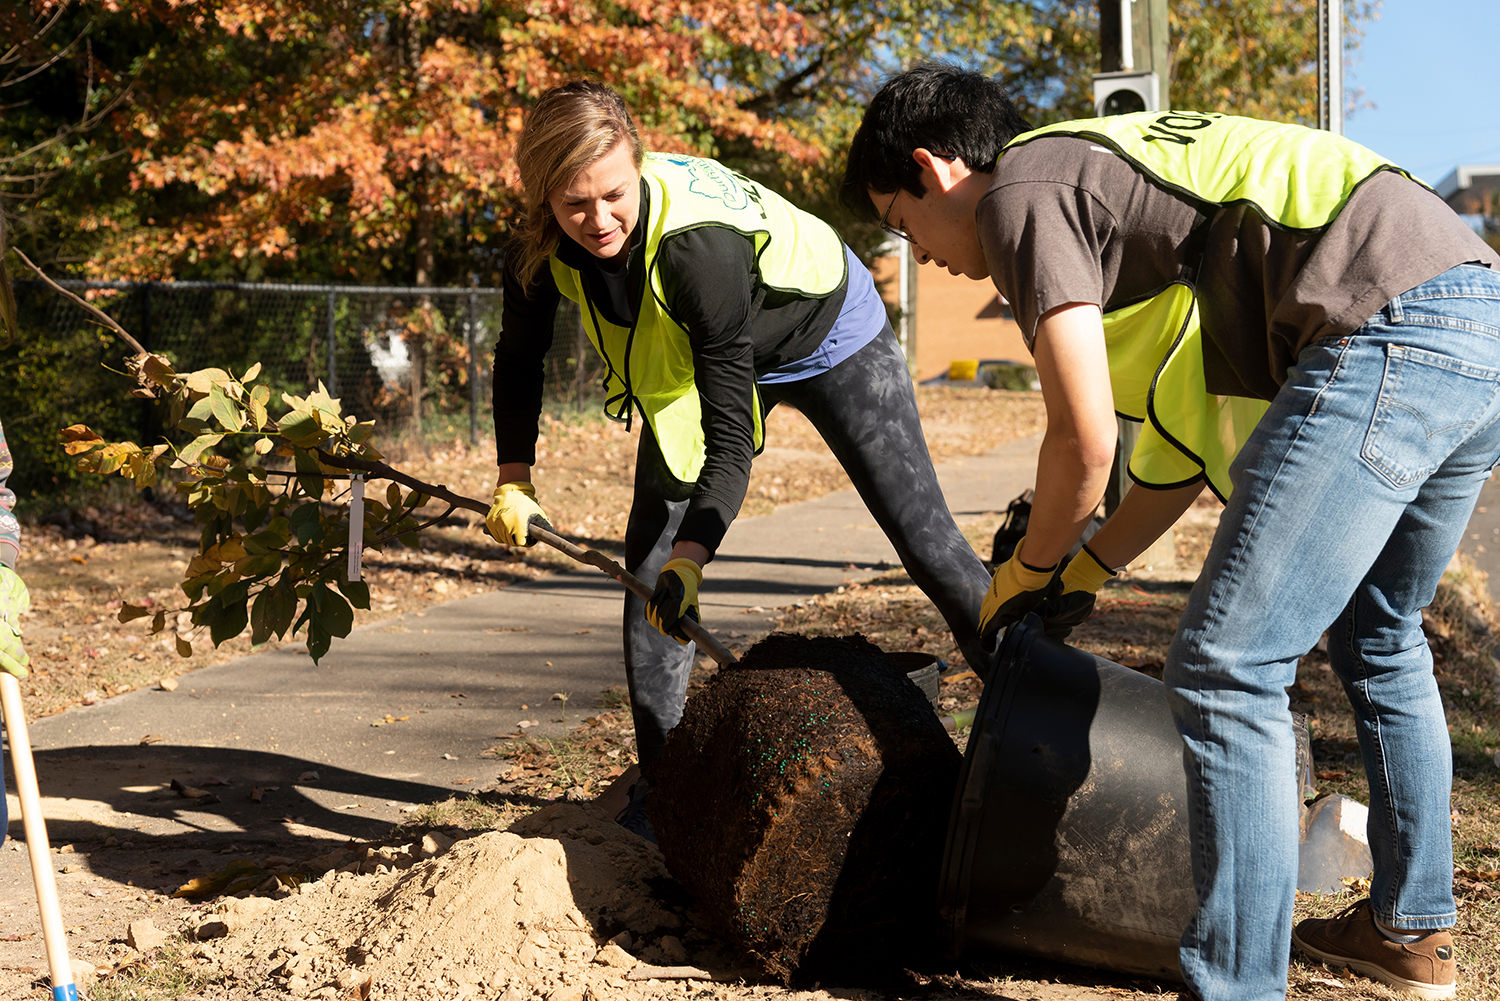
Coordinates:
x,y
711,299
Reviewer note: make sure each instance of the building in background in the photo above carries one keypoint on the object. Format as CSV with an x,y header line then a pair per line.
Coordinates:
x,y
948,317
1473,191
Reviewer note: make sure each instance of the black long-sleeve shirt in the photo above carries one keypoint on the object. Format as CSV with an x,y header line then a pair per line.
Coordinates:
x,y
738,330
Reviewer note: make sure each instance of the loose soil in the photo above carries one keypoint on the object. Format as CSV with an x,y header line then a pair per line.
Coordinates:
x,y
277,931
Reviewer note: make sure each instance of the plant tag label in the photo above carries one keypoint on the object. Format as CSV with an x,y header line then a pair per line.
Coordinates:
x,y
356,523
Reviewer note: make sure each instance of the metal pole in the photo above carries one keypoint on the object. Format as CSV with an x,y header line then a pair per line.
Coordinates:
x,y
148,409
580,351
333,356
473,368
1331,66
1127,39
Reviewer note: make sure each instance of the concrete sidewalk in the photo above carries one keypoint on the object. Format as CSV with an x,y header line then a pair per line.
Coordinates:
x,y
460,673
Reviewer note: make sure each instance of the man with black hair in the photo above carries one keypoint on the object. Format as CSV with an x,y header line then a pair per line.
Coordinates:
x,y
1311,333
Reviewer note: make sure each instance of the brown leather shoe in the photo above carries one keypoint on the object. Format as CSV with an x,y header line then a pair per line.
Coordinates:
x,y
1424,968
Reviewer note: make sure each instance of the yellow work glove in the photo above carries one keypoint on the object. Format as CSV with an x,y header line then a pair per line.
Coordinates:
x,y
14,599
675,598
1071,599
1016,590
514,510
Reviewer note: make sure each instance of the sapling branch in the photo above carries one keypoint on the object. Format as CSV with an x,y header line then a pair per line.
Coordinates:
x,y
103,317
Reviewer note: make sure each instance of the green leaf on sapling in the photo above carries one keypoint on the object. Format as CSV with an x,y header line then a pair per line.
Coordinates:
x,y
194,449
333,612
301,428
203,380
261,619
309,474
307,524
357,591
224,409
283,606
260,565
318,640
260,397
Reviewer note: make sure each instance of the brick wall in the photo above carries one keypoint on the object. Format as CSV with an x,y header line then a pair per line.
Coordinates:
x,y
949,325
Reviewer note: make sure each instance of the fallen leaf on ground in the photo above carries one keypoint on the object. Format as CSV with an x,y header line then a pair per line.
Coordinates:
x,y
168,684
1479,875
151,738
390,719
214,882
193,792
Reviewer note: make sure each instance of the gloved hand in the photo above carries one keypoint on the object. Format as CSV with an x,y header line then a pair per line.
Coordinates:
x,y
1071,599
514,510
1016,590
675,598
14,599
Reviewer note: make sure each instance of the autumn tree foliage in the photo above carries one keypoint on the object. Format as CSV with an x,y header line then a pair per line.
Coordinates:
x,y
371,137
372,140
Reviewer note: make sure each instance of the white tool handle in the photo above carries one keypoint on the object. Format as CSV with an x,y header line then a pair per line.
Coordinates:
x,y
63,988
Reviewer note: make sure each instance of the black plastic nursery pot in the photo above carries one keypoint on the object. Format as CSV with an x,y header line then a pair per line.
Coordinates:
x,y
924,670
1068,835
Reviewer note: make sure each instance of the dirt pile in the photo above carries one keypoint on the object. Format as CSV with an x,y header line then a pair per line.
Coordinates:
x,y
803,800
565,905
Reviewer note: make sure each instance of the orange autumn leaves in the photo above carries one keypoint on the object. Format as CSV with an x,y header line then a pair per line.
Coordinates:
x,y
380,109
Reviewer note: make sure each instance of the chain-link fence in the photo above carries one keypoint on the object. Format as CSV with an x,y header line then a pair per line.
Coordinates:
x,y
398,354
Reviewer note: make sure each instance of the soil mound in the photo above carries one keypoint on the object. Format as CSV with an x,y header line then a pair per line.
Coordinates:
x,y
536,910
803,801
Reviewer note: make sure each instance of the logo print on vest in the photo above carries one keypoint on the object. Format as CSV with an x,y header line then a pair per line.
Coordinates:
x,y
1171,126
712,181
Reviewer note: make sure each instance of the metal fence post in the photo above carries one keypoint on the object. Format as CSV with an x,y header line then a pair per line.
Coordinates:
x,y
333,353
148,410
580,353
473,368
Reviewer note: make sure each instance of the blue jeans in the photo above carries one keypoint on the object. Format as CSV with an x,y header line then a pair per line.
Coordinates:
x,y
1349,500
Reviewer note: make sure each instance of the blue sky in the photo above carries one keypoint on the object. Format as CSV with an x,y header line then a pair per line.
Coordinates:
x,y
1431,68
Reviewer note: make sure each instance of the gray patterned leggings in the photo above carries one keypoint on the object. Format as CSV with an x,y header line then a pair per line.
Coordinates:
x,y
866,411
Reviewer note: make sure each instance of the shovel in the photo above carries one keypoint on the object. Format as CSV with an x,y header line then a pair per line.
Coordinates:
x,y
63,988
691,628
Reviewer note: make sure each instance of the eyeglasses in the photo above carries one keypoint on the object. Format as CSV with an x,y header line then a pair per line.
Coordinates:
x,y
885,216
885,221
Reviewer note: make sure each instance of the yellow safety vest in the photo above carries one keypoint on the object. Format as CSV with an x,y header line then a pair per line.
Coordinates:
x,y
1295,178
650,365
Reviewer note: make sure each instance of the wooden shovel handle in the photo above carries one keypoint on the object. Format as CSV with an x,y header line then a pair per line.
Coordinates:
x,y
592,557
36,840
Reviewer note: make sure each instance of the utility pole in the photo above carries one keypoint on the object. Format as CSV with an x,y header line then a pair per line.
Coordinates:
x,y
1133,76
1331,66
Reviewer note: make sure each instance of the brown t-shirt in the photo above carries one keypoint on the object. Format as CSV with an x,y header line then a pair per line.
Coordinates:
x,y
1066,220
